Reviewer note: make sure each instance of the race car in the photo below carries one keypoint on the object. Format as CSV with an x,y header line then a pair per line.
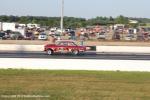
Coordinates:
x,y
64,46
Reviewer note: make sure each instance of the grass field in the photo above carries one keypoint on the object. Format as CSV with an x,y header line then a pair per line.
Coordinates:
x,y
74,85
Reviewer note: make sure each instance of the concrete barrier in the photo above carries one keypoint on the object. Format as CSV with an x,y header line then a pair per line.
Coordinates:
x,y
121,49
15,47
75,64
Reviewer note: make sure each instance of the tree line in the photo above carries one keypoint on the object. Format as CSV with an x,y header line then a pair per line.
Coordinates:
x,y
71,22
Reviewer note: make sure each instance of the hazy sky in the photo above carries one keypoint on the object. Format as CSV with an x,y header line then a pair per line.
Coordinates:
x,y
76,8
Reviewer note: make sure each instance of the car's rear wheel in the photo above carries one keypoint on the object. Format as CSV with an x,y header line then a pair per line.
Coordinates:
x,y
49,52
75,52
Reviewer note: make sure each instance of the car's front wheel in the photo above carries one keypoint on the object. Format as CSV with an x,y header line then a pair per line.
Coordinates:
x,y
75,52
49,52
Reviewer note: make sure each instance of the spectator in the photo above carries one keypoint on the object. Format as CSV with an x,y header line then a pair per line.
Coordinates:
x,y
72,35
82,38
52,39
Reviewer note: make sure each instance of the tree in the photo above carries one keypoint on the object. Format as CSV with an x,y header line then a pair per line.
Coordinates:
x,y
4,18
122,20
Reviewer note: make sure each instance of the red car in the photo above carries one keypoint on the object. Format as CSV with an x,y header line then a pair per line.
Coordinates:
x,y
64,46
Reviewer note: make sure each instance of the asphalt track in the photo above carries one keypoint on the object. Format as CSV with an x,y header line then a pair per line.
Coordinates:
x,y
87,55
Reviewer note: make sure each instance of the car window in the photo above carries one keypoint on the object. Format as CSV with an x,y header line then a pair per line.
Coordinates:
x,y
17,33
63,44
2,34
42,33
71,44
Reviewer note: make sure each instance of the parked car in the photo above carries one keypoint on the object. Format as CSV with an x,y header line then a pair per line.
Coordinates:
x,y
64,46
102,35
2,35
52,32
29,36
7,33
116,36
42,36
16,36
129,37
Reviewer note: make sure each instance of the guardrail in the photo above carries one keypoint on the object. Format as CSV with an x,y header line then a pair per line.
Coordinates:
x,y
15,47
120,49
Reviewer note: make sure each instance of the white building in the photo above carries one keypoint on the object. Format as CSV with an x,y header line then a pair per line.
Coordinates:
x,y
0,26
9,26
22,25
13,27
33,25
133,21
119,26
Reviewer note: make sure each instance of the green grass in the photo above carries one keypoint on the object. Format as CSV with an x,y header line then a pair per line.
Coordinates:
x,y
75,85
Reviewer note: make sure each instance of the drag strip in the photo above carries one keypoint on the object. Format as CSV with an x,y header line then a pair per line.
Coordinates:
x,y
87,55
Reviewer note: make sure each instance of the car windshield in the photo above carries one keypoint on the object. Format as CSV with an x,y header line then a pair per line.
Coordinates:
x,y
102,33
28,34
43,34
16,33
71,44
2,34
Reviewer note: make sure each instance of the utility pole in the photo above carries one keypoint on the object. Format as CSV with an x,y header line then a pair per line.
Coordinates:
x,y
62,15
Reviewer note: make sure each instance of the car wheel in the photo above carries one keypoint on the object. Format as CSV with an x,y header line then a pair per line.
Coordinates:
x,y
49,52
75,52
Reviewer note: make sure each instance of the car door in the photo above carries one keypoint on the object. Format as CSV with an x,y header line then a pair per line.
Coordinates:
x,y
62,47
71,46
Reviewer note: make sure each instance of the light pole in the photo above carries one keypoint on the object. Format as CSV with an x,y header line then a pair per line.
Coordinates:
x,y
62,15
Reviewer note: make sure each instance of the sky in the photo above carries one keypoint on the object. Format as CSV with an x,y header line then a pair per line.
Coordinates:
x,y
76,8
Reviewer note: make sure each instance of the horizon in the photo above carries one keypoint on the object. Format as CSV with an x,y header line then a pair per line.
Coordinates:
x,y
80,9
72,16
